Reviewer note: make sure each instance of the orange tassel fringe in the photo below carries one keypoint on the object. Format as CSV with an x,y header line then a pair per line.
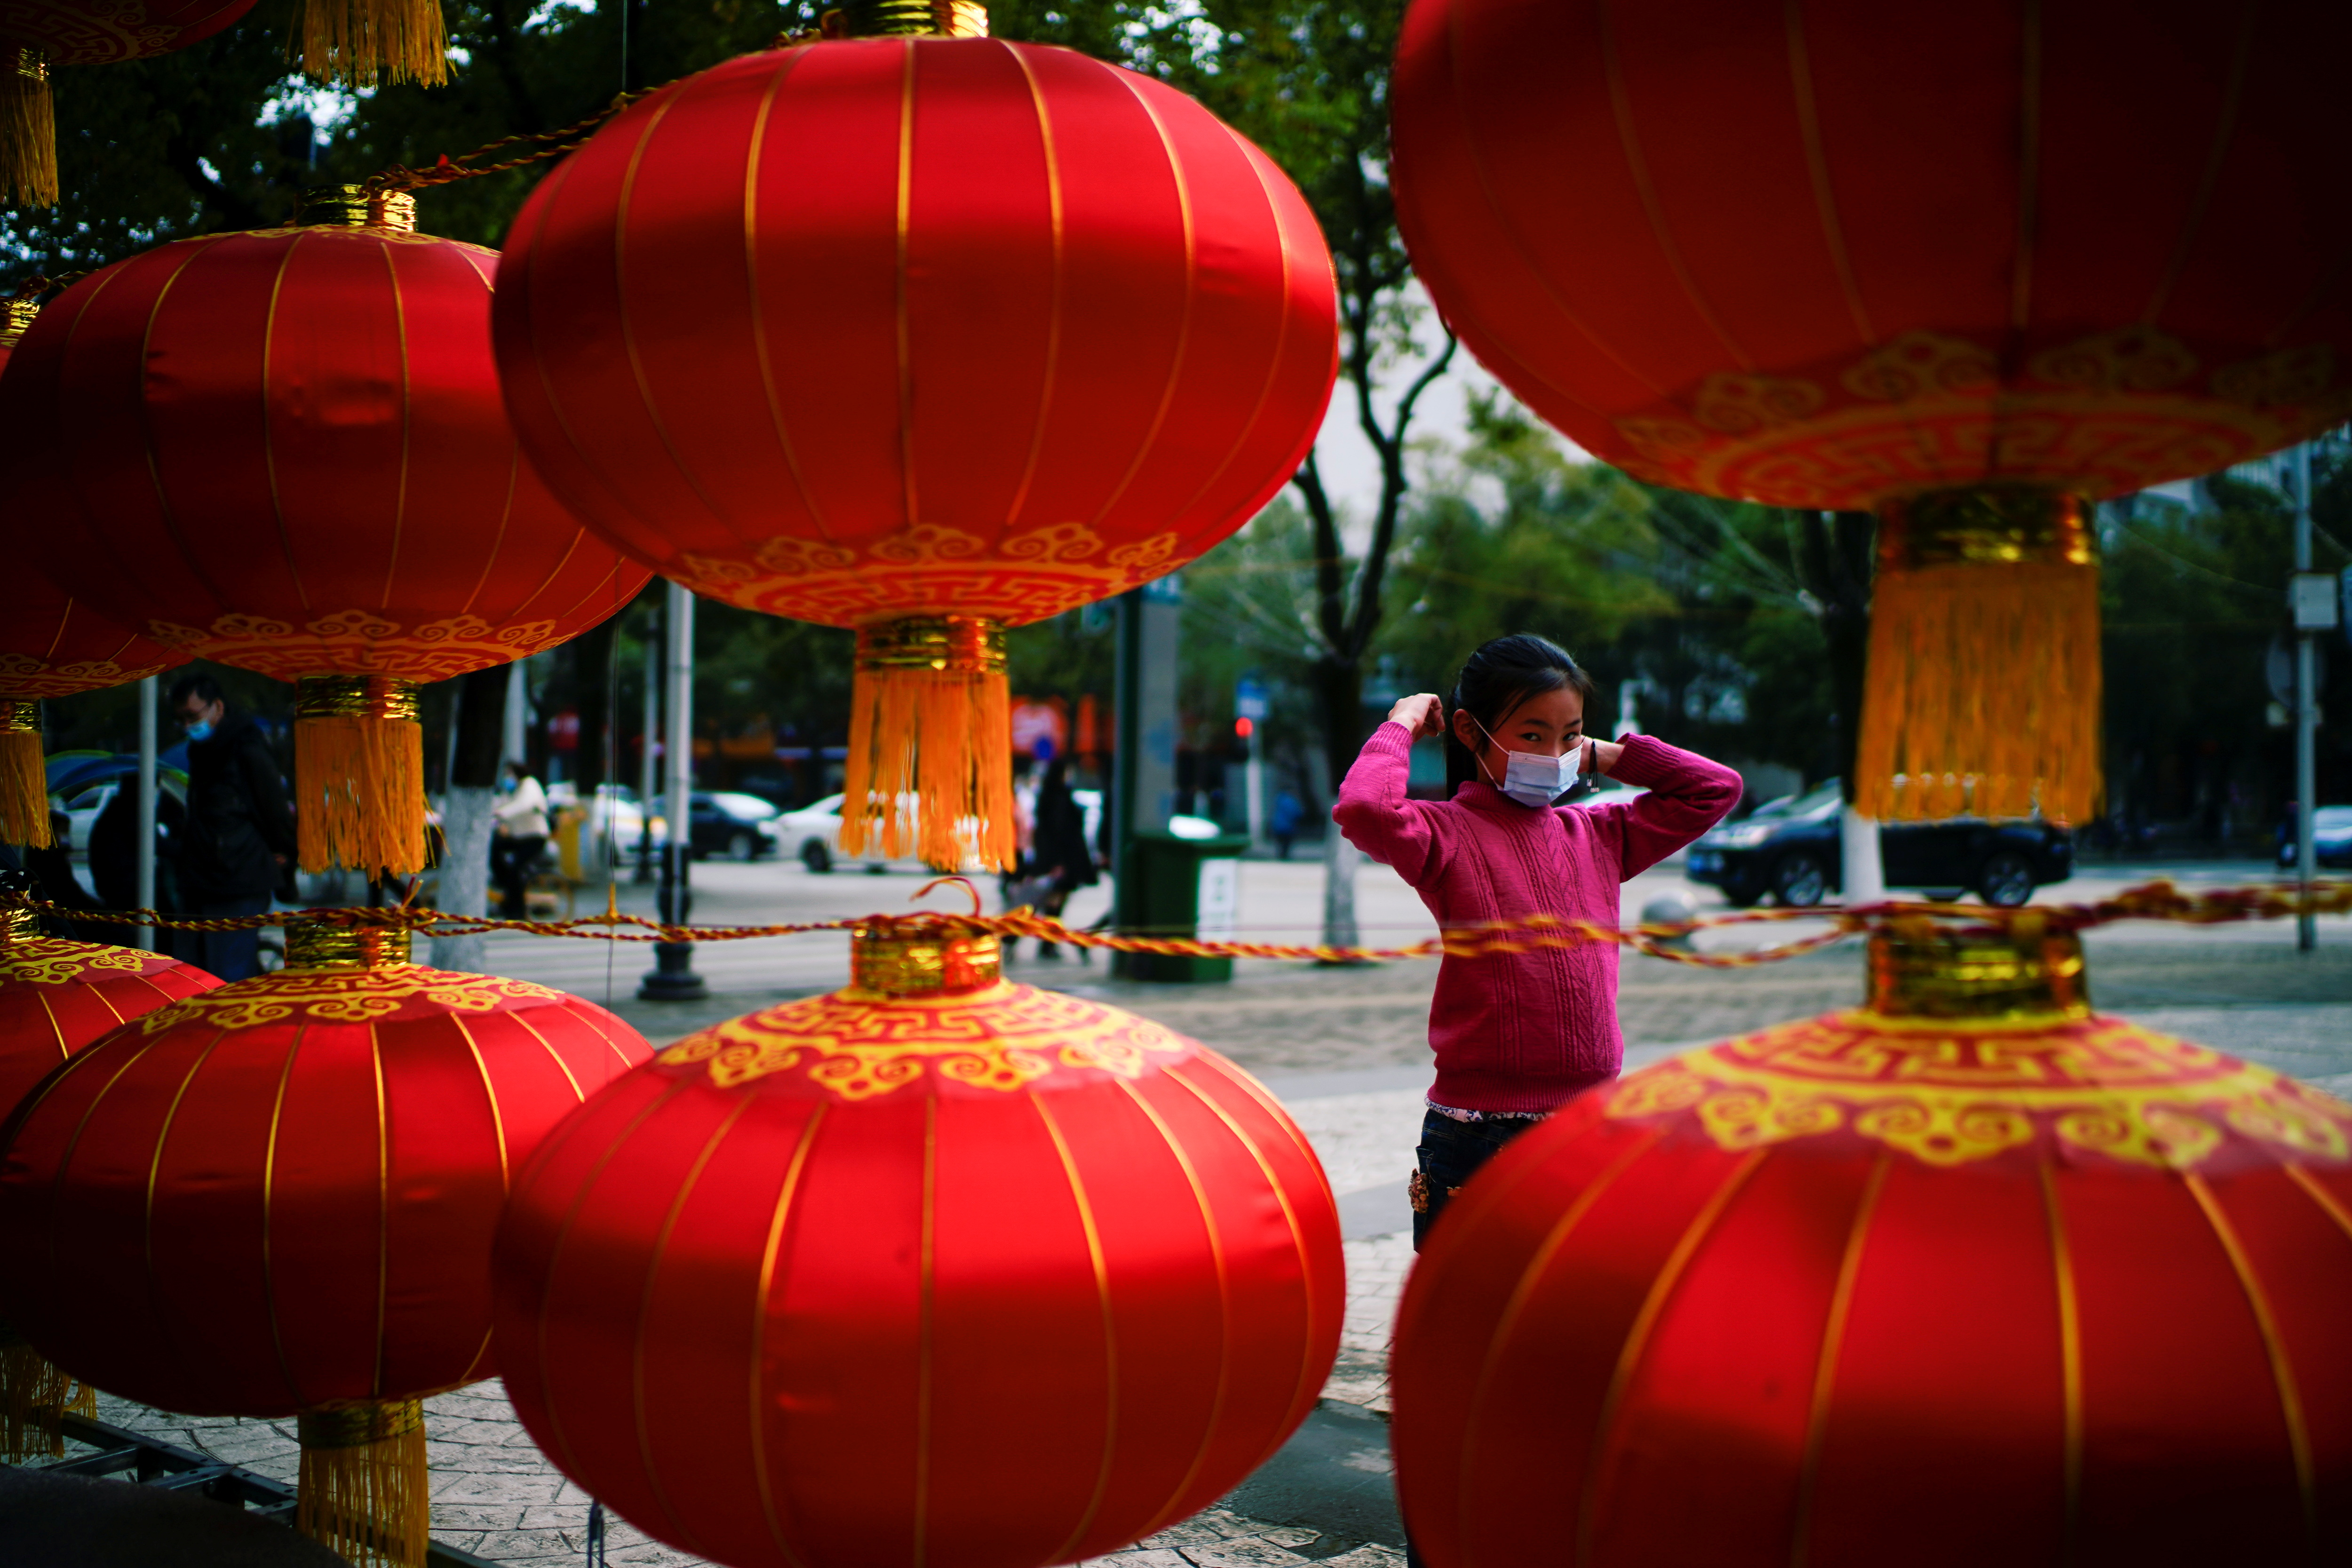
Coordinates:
x,y
24,783
34,1398
931,768
362,43
1983,693
359,774
28,128
364,1488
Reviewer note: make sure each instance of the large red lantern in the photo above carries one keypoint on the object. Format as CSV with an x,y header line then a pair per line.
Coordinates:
x,y
1970,1275
935,1269
50,646
38,34
1972,263
57,996
1029,330
285,450
277,1199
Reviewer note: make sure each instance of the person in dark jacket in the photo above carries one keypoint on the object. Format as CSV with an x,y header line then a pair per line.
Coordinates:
x,y
1058,846
239,834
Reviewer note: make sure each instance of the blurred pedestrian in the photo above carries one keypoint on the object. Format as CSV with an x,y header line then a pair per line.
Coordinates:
x,y
239,838
1288,814
518,840
1059,849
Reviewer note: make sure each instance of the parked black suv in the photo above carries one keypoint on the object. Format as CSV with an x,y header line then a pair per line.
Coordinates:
x,y
1789,849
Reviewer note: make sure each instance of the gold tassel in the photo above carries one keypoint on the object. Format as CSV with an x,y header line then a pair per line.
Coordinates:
x,y
362,43
24,781
363,1489
930,718
358,773
1982,696
34,1398
28,128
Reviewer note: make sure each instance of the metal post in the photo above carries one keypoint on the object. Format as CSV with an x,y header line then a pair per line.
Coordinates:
x,y
648,765
1127,744
518,712
149,696
1257,780
2307,715
673,978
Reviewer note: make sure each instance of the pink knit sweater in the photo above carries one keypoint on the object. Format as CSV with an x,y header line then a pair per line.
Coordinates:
x,y
1526,1031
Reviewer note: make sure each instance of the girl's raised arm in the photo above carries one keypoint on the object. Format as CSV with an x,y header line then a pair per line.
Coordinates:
x,y
1687,795
1374,811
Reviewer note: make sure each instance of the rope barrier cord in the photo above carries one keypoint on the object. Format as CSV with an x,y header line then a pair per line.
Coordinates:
x,y
2158,900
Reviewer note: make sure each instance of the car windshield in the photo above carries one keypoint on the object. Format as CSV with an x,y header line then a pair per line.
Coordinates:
x,y
1816,801
830,806
2328,818
736,803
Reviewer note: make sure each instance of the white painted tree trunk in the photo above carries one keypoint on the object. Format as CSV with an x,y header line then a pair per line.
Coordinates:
x,y
1866,872
465,875
1339,862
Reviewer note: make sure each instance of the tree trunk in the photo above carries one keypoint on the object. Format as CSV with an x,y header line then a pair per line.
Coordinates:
x,y
1338,689
465,882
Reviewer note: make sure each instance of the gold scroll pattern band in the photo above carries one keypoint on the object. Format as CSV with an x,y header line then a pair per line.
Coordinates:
x,y
953,645
356,697
1991,525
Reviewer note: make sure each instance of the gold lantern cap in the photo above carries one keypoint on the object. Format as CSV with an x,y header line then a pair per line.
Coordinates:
x,y
906,19
357,206
1919,970
332,944
923,958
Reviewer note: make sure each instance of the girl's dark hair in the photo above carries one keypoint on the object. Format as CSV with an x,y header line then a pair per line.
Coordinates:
x,y
1495,680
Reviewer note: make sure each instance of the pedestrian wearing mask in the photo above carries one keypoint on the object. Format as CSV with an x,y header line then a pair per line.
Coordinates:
x,y
239,838
1518,1034
518,838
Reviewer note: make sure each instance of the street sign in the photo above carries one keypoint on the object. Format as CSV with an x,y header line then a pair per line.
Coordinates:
x,y
2278,665
2311,595
1250,699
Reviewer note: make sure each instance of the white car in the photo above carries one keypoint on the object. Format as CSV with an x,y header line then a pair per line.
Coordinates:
x,y
814,833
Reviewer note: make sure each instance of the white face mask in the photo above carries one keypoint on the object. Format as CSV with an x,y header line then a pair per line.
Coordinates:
x,y
1534,778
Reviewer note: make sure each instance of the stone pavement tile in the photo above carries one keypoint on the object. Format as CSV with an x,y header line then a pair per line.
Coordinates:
x,y
1290,1535
497,1487
1248,1552
1204,1529
1372,1556
1150,1557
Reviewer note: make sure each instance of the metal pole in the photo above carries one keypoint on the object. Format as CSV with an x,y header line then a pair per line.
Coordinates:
x,y
648,764
518,712
148,697
1256,782
673,978
1126,751
2307,715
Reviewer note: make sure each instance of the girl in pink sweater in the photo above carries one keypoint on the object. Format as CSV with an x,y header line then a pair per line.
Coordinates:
x,y
1517,1035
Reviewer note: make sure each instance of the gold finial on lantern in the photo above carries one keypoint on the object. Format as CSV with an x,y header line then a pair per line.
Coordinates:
x,y
906,19
19,922
923,959
1919,971
319,945
357,206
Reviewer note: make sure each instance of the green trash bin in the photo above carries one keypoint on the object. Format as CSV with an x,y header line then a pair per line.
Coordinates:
x,y
1183,887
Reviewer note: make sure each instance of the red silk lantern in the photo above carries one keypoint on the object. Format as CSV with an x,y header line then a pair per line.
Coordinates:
x,y
1009,1278
277,1199
57,996
1969,262
50,646
1031,330
38,34
285,450
1970,1275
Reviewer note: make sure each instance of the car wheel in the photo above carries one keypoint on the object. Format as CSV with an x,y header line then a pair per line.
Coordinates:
x,y
1798,882
815,856
2006,879
741,845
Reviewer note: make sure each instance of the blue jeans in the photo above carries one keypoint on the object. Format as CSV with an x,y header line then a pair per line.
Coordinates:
x,y
1450,1153
229,955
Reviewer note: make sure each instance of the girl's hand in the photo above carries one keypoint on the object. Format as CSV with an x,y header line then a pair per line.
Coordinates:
x,y
1600,757
1423,714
